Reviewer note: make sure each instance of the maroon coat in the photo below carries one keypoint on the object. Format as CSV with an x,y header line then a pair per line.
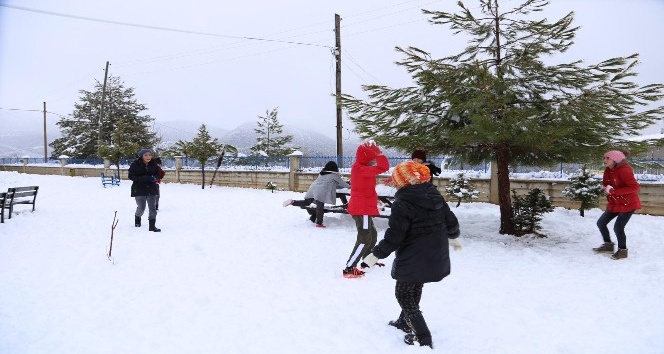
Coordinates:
x,y
624,196
363,197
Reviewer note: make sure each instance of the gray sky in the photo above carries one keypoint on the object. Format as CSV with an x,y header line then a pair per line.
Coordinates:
x,y
216,78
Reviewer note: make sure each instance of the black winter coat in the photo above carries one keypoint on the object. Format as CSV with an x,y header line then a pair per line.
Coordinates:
x,y
141,174
420,225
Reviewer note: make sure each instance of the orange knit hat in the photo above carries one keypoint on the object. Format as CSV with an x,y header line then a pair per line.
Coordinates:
x,y
410,172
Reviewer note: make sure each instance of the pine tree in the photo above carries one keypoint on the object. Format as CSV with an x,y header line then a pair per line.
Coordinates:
x,y
270,141
585,189
460,189
125,142
202,147
82,134
499,101
528,211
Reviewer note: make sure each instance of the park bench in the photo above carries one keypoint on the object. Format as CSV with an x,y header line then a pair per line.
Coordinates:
x,y
20,195
113,180
3,205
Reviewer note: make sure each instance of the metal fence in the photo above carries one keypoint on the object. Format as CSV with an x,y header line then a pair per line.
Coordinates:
x,y
315,163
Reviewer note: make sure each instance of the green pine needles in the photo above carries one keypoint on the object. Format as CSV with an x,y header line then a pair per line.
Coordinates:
x,y
585,189
528,210
460,189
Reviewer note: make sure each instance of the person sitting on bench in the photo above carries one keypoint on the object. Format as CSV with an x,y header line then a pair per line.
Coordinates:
x,y
322,191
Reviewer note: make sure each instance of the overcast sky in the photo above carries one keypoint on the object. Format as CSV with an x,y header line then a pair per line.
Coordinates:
x,y
219,77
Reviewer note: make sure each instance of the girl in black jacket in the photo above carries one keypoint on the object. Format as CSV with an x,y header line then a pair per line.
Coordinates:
x,y
144,172
420,225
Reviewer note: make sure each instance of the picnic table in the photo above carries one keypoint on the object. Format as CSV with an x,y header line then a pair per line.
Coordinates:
x,y
385,200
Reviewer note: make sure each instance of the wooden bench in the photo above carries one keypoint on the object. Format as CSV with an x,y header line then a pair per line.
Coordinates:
x,y
342,208
113,180
4,198
21,195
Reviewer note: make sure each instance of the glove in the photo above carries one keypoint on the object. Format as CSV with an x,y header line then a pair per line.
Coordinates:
x,y
152,179
608,189
370,260
456,244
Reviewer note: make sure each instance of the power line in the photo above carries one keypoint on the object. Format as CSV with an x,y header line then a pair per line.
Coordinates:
x,y
158,28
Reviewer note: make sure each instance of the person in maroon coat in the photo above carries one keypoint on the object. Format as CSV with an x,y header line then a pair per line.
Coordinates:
x,y
369,163
622,199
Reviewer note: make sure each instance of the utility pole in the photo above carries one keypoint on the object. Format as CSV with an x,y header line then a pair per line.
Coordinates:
x,y
101,110
45,140
337,54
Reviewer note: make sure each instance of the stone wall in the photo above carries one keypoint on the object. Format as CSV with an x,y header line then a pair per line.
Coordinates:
x,y
652,195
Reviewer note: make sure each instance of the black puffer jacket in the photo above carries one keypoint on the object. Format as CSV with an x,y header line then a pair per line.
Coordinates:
x,y
419,228
141,174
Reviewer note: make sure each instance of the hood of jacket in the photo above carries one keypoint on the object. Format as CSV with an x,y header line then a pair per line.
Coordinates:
x,y
424,195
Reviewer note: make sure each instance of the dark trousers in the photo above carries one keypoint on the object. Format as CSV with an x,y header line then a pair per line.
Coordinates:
x,y
618,227
319,208
408,295
366,240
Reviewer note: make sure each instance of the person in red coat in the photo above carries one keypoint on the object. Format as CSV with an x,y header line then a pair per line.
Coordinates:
x,y
363,203
622,199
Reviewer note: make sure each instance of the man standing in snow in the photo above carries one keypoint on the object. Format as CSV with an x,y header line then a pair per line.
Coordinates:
x,y
144,173
421,223
363,203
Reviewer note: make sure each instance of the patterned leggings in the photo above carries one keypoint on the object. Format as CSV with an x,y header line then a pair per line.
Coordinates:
x,y
408,295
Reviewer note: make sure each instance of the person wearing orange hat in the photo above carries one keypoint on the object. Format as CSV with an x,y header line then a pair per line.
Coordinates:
x,y
622,196
421,229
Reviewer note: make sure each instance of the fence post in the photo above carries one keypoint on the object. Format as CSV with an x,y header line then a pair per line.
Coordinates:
x,y
178,167
63,162
493,186
294,165
24,159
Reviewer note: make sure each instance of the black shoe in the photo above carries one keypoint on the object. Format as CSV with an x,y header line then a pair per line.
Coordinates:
x,y
152,227
137,221
401,324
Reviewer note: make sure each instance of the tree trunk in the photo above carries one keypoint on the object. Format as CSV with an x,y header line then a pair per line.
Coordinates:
x,y
504,200
203,174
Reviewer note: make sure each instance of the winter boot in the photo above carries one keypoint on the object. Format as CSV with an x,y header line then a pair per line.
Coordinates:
x,y
352,272
606,247
137,221
152,227
620,254
401,324
421,332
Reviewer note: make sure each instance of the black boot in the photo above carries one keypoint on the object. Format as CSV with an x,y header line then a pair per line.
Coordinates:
x,y
420,330
400,323
152,227
137,221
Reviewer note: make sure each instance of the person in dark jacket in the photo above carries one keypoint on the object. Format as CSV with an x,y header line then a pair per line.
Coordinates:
x,y
363,203
420,156
622,196
144,174
421,228
322,191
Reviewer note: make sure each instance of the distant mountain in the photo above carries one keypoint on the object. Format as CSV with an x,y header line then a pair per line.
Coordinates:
x,y
19,142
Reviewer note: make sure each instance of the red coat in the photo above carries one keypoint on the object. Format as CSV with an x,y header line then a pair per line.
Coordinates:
x,y
363,197
625,194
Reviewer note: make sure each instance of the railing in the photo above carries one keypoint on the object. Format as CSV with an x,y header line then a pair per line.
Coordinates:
x,y
641,166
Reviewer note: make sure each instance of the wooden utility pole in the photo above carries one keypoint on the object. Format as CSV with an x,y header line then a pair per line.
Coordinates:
x,y
101,110
337,55
45,140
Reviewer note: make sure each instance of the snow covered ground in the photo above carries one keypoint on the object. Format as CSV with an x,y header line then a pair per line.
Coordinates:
x,y
235,272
